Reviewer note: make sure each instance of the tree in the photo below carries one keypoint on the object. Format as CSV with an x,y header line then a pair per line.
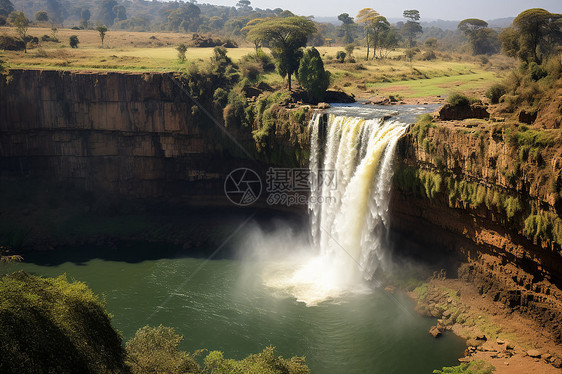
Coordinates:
x,y
85,17
101,30
366,17
106,13
73,41
22,25
349,49
534,35
6,7
182,48
286,38
54,31
244,5
482,39
412,26
375,27
56,11
41,16
120,13
185,18
388,41
431,43
347,27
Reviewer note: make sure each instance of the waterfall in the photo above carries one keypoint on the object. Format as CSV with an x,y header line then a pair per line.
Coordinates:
x,y
352,228
349,215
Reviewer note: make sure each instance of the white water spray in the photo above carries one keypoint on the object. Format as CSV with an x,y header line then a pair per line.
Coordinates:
x,y
349,232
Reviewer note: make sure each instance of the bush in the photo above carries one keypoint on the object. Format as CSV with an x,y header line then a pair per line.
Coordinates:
x,y
10,43
340,56
155,350
265,60
473,367
251,70
536,71
48,325
457,99
495,92
73,41
265,362
429,55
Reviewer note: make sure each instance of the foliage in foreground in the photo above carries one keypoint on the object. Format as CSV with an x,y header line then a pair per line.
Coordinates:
x,y
155,350
473,367
49,325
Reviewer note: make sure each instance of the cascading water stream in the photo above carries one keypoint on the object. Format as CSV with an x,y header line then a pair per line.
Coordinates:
x,y
349,225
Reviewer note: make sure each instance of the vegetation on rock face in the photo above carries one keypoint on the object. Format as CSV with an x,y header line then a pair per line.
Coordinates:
x,y
473,367
51,325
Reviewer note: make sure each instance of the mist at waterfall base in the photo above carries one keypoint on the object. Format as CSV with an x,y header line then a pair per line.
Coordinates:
x,y
347,239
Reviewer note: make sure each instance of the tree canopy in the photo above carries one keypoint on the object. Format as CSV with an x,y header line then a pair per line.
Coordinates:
x,y
186,18
534,35
6,7
286,38
482,39
376,28
347,27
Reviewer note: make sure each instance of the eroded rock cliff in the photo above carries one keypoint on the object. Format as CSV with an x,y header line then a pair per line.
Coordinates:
x,y
491,195
136,134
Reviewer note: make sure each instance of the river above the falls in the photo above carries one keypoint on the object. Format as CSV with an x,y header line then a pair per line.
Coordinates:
x,y
223,305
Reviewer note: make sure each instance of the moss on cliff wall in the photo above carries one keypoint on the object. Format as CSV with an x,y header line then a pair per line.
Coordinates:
x,y
507,173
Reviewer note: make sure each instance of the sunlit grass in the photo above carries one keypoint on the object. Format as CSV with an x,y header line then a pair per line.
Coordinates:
x,y
438,85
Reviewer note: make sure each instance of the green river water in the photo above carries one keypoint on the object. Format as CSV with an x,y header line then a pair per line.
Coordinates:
x,y
221,304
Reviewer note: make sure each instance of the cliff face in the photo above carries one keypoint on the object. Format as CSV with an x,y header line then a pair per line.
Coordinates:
x,y
134,134
491,196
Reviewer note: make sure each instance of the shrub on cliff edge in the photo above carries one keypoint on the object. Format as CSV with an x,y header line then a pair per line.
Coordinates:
x,y
457,99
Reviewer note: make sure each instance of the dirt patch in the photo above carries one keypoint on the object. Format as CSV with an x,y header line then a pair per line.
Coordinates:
x,y
506,339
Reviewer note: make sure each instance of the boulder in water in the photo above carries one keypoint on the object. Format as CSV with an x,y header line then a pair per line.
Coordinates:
x,y
435,331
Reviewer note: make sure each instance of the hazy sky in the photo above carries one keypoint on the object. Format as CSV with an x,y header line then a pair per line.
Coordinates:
x,y
431,9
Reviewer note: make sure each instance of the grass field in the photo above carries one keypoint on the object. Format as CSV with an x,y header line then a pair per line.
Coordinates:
x,y
149,51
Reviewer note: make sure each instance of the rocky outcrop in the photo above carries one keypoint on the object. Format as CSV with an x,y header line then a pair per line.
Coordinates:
x,y
459,112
